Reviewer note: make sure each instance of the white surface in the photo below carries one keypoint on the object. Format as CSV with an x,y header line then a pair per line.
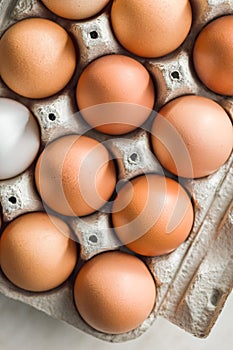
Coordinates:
x,y
22,327
19,138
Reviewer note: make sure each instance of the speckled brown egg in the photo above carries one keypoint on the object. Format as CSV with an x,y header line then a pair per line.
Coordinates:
x,y
115,94
75,9
192,136
152,215
213,55
151,28
75,175
36,252
37,58
114,292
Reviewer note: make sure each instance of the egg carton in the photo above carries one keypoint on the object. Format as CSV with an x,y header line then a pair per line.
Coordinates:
x,y
193,282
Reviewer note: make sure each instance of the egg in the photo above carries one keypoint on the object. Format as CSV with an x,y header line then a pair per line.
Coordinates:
x,y
152,215
114,292
115,105
37,58
192,136
75,175
36,252
213,55
151,28
19,138
75,9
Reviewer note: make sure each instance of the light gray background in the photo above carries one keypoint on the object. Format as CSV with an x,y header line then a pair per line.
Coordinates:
x,y
22,327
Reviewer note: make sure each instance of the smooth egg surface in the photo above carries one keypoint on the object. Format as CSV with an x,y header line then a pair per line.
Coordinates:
x,y
152,215
75,9
114,292
213,55
115,94
37,58
19,138
36,252
75,175
151,28
192,136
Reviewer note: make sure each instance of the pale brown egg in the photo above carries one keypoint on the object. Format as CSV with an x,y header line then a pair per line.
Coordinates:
x,y
75,9
213,55
152,215
75,175
151,28
37,58
36,252
115,94
114,292
192,136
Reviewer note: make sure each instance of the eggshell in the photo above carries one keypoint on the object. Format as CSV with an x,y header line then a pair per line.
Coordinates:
x,y
213,55
75,9
115,105
19,138
75,175
192,136
151,28
152,215
36,253
114,292
37,58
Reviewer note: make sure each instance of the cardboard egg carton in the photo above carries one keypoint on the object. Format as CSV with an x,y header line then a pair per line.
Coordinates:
x,y
193,282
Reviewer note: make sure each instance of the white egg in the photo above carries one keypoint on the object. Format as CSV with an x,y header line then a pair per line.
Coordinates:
x,y
19,138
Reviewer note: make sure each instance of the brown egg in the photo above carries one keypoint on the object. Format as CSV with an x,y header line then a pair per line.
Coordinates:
x,y
75,175
213,55
37,58
192,136
151,28
114,292
36,252
115,94
75,9
152,215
